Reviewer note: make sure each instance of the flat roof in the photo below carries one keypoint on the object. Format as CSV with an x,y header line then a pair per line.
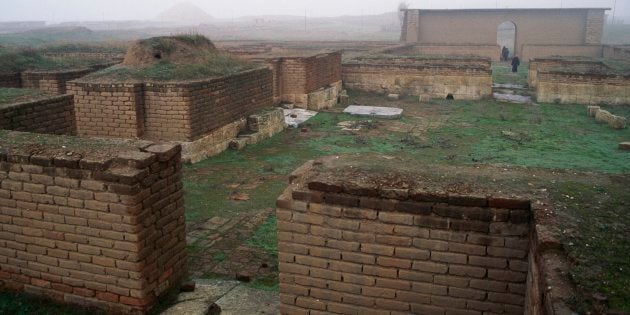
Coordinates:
x,y
505,9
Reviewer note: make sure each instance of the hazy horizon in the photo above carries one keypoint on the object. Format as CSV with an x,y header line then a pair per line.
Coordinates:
x,y
55,11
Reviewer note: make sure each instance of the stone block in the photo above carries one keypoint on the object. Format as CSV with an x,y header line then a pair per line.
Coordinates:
x,y
617,122
592,110
624,146
393,97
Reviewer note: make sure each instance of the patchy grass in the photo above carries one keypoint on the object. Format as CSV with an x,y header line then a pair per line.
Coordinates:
x,y
17,60
24,304
12,95
595,221
213,65
265,237
502,73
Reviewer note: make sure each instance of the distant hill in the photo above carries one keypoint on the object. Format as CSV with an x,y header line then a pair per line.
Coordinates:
x,y
185,12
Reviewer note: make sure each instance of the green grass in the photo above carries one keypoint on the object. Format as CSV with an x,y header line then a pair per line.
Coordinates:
x,y
265,237
597,238
502,74
17,60
214,65
11,95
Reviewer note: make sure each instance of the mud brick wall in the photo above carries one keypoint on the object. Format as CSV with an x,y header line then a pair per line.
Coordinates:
x,y
617,52
322,71
295,77
221,101
179,111
51,81
353,251
106,232
108,110
167,112
566,87
487,51
10,80
540,51
53,115
542,64
436,81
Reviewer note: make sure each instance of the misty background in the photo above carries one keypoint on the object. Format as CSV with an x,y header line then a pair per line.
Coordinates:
x,y
55,11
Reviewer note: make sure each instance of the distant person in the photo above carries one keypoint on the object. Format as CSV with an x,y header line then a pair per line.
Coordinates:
x,y
515,63
505,53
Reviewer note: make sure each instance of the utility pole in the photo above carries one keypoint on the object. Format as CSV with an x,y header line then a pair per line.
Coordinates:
x,y
614,11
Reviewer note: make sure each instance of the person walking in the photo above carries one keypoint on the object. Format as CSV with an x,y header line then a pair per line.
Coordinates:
x,y
505,53
515,63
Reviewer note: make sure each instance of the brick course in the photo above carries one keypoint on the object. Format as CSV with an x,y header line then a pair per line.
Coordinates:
x,y
436,260
179,111
51,115
106,231
469,79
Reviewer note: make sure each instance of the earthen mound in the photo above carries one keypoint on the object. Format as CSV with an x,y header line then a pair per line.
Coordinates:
x,y
175,49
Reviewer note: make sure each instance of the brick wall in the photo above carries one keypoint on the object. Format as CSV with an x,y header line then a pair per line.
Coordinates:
x,y
573,87
52,115
179,111
616,52
364,249
51,81
222,101
102,226
542,64
539,51
595,19
108,110
486,51
435,80
296,77
10,80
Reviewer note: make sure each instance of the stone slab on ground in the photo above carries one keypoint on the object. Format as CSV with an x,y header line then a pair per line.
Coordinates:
x,y
374,111
512,98
297,116
246,300
199,301
624,146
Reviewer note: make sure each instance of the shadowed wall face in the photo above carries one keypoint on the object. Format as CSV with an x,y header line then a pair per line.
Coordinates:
x,y
533,26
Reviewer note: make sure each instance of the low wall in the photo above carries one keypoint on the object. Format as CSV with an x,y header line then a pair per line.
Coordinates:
x,y
87,55
487,51
422,78
356,247
542,64
538,51
51,81
616,52
589,88
296,77
178,111
51,115
91,222
10,80
108,110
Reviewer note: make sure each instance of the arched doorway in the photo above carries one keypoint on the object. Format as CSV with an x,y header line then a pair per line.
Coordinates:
x,y
506,37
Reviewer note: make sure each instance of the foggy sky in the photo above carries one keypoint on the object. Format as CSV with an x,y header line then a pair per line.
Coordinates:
x,y
85,10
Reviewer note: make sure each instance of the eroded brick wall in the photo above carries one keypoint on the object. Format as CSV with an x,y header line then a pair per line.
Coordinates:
x,y
108,110
540,51
574,87
101,227
178,111
296,77
543,64
616,52
486,51
467,82
10,80
52,115
361,249
54,82
219,102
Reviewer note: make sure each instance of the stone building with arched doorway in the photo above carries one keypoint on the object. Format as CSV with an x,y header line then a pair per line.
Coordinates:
x,y
537,32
